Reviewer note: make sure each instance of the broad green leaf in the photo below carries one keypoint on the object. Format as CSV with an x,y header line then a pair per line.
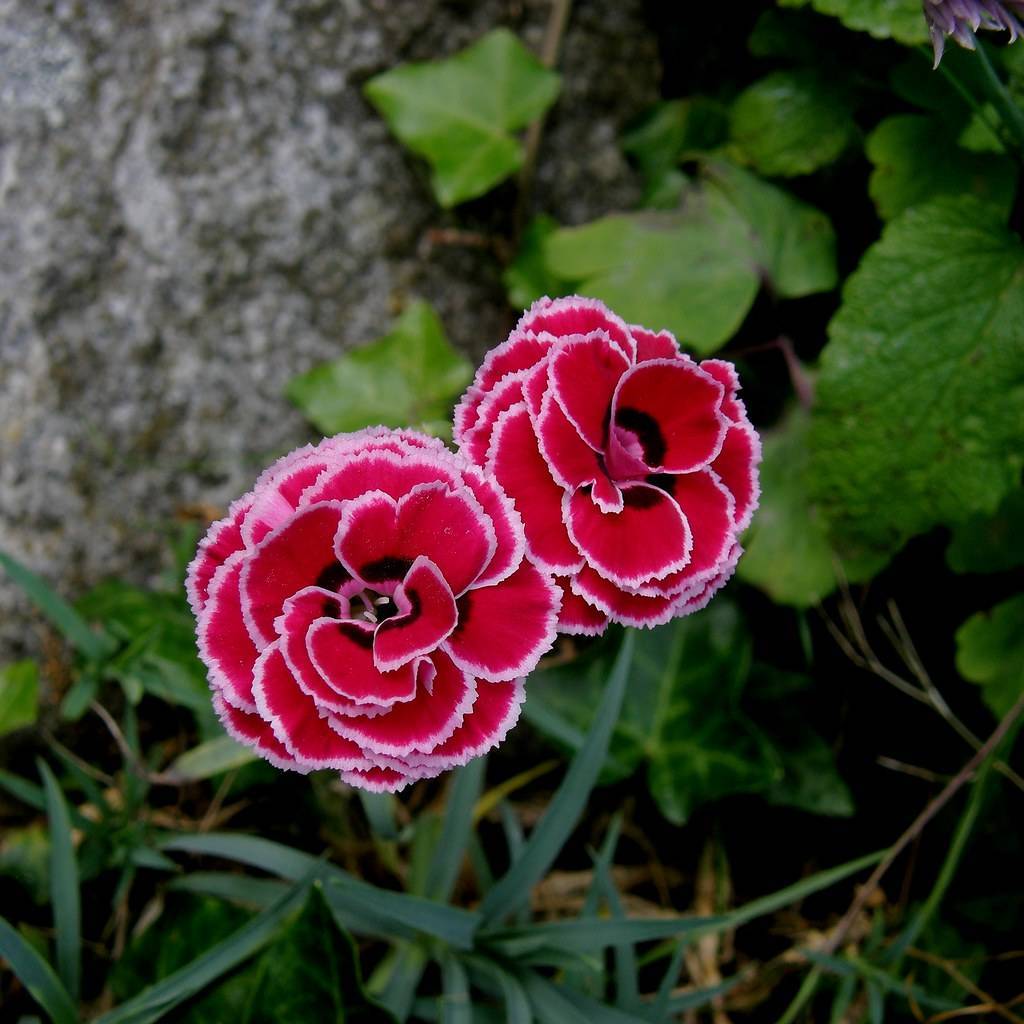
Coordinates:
x,y
567,805
791,122
920,398
36,975
788,555
218,755
460,113
787,35
526,277
916,159
19,695
990,652
667,133
696,271
992,543
680,715
409,377
902,20
75,629
64,894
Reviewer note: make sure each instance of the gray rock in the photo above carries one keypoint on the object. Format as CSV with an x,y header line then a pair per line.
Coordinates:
x,y
196,204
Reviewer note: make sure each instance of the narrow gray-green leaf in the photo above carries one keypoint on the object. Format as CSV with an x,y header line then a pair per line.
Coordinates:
x,y
568,803
57,610
37,976
220,754
463,793
64,894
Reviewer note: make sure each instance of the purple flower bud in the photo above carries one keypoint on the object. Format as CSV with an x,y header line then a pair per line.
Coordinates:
x,y
960,19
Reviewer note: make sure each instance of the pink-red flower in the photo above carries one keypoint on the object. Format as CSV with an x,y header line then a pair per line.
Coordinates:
x,y
634,467
367,607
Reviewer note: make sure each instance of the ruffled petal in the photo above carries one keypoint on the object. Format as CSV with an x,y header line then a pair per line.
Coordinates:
x,y
736,465
222,540
575,314
342,652
503,630
421,724
380,538
494,713
250,730
295,719
671,407
225,645
377,779
654,344
725,373
381,470
515,460
509,535
648,539
578,616
621,606
298,554
426,616
572,462
504,395
583,374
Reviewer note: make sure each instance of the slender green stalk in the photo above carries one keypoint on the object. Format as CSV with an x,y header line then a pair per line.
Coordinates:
x,y
803,996
1009,112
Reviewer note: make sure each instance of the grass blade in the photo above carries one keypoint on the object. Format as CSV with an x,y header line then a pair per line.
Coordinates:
x,y
211,758
36,975
517,1006
359,906
397,977
159,999
463,794
456,1007
76,630
64,894
547,839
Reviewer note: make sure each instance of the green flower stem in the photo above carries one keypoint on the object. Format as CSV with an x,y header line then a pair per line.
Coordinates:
x,y
802,997
1009,112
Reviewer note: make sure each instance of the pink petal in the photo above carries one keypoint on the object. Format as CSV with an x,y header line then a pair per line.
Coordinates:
x,y
295,718
377,780
736,465
578,616
380,538
342,652
583,375
300,612
519,352
494,714
298,554
504,629
426,616
577,315
572,462
225,645
654,345
252,731
726,375
515,460
509,534
693,601
476,440
222,540
275,504
648,539
379,470
421,724
672,408
620,606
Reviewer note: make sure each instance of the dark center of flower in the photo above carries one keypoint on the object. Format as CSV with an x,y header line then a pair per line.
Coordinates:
x,y
647,432
332,576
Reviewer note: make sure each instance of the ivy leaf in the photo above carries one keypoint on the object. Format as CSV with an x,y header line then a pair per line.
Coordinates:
x,y
990,543
901,20
697,271
19,695
920,398
791,122
411,376
460,113
990,652
788,554
916,159
680,716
